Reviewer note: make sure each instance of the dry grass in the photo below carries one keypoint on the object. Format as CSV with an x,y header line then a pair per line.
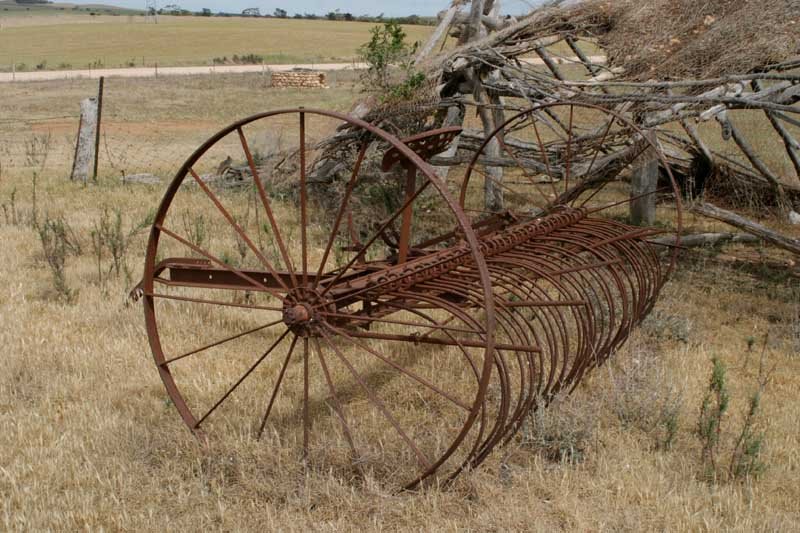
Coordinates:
x,y
177,41
89,439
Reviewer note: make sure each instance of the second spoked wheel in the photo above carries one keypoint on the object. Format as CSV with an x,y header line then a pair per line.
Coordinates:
x,y
269,312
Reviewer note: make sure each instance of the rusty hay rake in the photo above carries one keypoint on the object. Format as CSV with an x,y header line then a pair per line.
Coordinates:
x,y
403,345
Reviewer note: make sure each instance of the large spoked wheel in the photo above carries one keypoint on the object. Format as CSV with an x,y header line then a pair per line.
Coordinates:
x,y
571,155
276,309
588,274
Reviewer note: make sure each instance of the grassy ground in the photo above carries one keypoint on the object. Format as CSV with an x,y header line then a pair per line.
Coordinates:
x,y
174,41
90,440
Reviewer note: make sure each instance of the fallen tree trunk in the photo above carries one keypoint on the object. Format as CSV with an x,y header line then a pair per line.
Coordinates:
x,y
781,241
699,240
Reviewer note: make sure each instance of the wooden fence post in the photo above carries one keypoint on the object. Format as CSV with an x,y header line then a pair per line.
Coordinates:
x,y
97,127
644,184
84,147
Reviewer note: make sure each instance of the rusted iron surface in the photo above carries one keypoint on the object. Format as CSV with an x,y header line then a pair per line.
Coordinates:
x,y
482,322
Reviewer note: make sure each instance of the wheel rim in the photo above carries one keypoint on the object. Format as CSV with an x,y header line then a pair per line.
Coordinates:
x,y
307,334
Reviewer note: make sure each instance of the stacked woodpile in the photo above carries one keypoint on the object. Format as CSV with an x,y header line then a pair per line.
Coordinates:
x,y
299,79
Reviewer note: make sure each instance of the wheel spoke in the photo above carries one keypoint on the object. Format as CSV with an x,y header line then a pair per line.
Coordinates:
x,y
545,156
425,463
238,229
568,162
303,199
501,184
418,339
375,237
626,201
588,174
410,374
220,342
276,388
262,193
255,283
210,302
366,318
342,208
306,422
337,406
241,379
524,171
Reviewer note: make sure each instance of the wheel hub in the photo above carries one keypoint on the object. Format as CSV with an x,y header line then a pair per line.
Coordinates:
x,y
303,308
298,314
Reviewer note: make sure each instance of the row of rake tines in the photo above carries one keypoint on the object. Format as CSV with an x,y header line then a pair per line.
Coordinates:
x,y
573,296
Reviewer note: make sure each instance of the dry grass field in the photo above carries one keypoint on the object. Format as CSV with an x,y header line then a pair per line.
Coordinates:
x,y
120,41
89,439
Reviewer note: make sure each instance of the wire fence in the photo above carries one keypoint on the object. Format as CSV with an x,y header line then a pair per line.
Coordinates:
x,y
148,127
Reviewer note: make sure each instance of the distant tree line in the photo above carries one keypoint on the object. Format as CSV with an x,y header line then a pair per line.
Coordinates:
x,y
338,15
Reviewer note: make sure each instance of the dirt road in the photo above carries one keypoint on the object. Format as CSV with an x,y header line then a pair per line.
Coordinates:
x,y
151,72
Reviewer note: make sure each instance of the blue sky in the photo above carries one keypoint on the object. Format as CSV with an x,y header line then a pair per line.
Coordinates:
x,y
390,8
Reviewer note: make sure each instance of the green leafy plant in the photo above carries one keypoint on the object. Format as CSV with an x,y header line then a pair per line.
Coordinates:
x,y
712,411
390,63
745,460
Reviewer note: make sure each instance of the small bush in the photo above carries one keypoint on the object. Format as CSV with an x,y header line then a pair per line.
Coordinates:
x,y
194,227
390,63
709,424
109,236
562,430
743,460
59,242
10,212
644,396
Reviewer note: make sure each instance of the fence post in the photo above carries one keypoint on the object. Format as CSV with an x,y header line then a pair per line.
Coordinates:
x,y
84,146
644,184
97,128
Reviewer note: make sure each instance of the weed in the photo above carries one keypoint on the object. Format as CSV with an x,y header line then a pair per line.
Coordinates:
x,y
194,227
58,242
663,325
10,210
109,235
709,424
37,148
241,245
794,330
745,455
